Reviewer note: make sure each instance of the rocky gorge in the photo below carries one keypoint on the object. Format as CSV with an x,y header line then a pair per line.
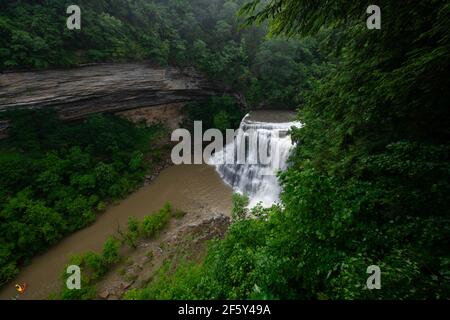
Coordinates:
x,y
109,88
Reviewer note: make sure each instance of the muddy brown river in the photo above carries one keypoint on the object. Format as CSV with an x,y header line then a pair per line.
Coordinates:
x,y
191,188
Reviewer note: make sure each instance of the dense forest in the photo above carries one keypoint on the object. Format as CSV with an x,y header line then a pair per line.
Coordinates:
x,y
55,177
369,180
202,33
367,183
71,171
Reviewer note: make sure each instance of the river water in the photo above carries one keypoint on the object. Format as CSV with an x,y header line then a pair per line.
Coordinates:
x,y
191,188
196,189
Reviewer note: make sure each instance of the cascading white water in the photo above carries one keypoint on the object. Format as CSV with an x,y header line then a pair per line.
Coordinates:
x,y
256,176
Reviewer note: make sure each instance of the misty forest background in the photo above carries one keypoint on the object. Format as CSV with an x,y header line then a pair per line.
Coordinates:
x,y
368,182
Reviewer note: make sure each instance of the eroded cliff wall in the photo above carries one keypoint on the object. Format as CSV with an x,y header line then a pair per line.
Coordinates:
x,y
113,88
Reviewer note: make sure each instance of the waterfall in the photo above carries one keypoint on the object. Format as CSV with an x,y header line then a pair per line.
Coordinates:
x,y
265,147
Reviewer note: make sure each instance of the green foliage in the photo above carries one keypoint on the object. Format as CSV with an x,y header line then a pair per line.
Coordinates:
x,y
151,226
369,179
217,112
225,273
201,33
179,286
87,292
133,225
239,210
154,223
54,177
111,251
221,121
95,264
93,267
132,234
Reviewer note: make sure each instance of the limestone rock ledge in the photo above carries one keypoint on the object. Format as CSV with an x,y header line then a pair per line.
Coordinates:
x,y
112,88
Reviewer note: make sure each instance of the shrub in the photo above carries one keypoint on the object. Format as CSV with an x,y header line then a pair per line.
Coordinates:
x,y
55,175
240,203
95,264
154,223
111,251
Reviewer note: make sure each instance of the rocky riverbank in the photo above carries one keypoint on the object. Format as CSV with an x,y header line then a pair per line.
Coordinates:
x,y
184,239
154,172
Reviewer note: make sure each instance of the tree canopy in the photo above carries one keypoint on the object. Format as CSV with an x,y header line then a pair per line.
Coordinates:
x,y
369,180
55,177
206,34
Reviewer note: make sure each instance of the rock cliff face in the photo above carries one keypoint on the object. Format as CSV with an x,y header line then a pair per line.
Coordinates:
x,y
112,88
171,115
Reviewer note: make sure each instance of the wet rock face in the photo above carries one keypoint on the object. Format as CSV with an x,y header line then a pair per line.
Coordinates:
x,y
78,92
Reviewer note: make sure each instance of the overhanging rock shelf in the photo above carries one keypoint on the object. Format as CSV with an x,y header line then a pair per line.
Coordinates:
x,y
78,92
